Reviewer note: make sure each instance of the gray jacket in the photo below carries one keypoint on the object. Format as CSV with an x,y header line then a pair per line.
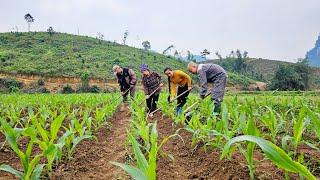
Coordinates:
x,y
208,73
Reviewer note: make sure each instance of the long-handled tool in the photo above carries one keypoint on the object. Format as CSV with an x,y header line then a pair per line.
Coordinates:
x,y
192,105
173,99
180,95
149,95
125,92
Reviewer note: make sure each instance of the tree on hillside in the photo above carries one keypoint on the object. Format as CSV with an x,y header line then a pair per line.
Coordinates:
x,y
245,54
240,62
125,36
100,37
303,69
146,45
167,49
232,54
219,55
292,77
204,53
29,20
176,54
50,31
190,56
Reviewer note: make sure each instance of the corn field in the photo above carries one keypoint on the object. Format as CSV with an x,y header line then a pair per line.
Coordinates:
x,y
43,130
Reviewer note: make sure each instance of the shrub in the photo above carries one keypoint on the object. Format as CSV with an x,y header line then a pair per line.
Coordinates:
x,y
40,82
67,89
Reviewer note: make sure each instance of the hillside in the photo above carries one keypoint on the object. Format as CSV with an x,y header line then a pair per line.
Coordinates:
x,y
267,68
66,55
69,55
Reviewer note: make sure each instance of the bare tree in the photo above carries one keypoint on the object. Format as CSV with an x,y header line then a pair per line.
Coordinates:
x,y
29,20
219,55
100,37
204,53
167,49
125,36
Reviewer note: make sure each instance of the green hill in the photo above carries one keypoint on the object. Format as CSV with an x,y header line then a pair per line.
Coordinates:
x,y
264,69
66,55
69,55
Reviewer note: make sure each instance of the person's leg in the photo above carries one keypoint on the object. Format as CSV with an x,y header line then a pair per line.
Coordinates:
x,y
217,92
125,97
155,99
132,92
149,104
182,99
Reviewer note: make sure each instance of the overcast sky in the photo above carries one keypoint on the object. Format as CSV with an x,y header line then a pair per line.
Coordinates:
x,y
274,29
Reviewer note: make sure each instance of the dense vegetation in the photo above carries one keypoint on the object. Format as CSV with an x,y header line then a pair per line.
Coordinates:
x,y
54,123
68,55
284,129
276,126
59,54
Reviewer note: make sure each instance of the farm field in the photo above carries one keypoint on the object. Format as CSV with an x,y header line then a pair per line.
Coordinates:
x,y
94,136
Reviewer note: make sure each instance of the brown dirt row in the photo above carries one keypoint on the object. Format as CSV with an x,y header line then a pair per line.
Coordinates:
x,y
91,158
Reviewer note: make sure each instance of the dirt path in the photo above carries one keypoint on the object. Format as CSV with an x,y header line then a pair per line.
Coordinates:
x,y
91,159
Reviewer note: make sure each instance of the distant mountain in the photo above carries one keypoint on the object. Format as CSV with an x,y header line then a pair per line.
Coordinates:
x,y
314,54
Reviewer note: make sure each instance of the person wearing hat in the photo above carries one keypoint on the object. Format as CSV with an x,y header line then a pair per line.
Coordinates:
x,y
183,81
152,84
210,73
127,80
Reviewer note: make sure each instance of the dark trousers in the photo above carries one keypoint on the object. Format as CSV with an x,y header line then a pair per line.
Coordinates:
x,y
182,100
152,102
132,92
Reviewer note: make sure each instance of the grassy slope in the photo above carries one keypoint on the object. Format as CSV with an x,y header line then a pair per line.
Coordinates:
x,y
69,55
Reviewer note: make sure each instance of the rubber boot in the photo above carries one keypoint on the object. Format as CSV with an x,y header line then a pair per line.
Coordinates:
x,y
178,111
216,109
188,117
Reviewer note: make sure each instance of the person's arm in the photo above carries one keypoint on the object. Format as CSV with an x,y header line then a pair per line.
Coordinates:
x,y
133,77
203,83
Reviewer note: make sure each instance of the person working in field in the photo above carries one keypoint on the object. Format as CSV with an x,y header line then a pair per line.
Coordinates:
x,y
183,81
210,73
152,84
127,81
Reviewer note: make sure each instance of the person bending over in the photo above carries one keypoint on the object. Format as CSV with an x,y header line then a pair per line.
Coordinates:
x,y
210,73
177,78
152,84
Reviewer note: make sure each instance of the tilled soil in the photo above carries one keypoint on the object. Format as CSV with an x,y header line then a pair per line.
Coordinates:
x,y
195,163
91,158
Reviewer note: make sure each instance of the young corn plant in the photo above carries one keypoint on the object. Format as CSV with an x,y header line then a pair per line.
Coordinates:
x,y
74,135
146,164
47,142
278,156
32,168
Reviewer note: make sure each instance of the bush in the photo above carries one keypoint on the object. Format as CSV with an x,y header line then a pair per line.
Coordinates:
x,y
67,89
40,82
92,89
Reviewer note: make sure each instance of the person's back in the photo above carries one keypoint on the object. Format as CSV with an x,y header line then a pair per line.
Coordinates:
x,y
211,71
